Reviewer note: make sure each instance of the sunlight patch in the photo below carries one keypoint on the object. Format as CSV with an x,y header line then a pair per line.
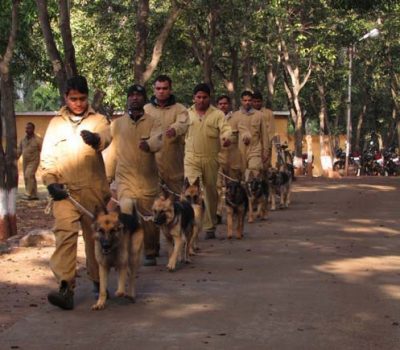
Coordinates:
x,y
188,310
356,270
391,290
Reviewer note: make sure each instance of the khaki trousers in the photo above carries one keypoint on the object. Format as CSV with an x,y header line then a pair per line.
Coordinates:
x,y
151,231
29,169
68,220
206,168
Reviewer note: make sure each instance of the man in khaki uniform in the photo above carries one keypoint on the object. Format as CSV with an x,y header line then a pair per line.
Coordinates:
x,y
207,128
229,157
30,147
174,120
253,140
131,160
269,125
71,159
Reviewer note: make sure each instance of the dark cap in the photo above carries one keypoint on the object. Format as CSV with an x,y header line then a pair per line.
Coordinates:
x,y
137,88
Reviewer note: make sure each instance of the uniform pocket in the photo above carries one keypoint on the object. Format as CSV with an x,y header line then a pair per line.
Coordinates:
x,y
212,131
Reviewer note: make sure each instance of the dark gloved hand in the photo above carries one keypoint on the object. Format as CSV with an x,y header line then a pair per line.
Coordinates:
x,y
90,138
171,132
144,146
57,191
227,143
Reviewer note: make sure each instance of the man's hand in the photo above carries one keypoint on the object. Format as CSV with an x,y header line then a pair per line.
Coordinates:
x,y
171,132
226,143
90,138
144,146
246,141
57,191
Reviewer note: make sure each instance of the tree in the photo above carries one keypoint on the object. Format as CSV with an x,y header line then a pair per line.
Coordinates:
x,y
8,156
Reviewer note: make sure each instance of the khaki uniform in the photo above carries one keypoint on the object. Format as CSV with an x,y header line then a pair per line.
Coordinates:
x,y
203,143
66,159
170,157
30,149
251,127
135,171
269,125
229,160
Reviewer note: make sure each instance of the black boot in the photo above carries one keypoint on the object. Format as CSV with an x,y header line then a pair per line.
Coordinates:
x,y
64,298
210,235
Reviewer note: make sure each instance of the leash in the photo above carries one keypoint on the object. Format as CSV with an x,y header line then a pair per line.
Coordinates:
x,y
143,217
78,205
228,177
164,186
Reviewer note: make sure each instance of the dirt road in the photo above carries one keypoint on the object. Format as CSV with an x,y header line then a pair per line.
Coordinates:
x,y
324,274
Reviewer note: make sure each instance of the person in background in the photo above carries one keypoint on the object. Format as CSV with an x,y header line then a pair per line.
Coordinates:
x,y
30,148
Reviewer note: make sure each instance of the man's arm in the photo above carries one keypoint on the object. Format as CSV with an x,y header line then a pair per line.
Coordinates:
x,y
155,139
48,159
181,123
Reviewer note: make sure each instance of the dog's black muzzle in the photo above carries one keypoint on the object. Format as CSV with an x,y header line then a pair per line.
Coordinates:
x,y
106,246
160,218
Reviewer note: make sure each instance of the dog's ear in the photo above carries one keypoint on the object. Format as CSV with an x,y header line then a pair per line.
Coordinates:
x,y
99,210
186,183
251,175
165,191
197,182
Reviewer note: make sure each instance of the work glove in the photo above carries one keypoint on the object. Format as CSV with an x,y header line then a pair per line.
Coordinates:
x,y
144,146
171,132
57,191
226,143
90,138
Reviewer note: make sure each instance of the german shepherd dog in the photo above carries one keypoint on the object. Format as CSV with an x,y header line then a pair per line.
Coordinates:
x,y
257,192
118,244
193,194
176,221
237,205
280,183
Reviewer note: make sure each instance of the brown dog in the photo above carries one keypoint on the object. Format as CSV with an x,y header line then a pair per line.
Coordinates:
x,y
280,183
257,192
193,194
118,244
176,221
236,206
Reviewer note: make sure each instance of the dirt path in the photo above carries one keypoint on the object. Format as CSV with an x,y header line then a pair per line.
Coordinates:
x,y
324,274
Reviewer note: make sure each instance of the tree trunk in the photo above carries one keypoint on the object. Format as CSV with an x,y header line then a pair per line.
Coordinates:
x,y
8,156
246,68
65,29
142,16
360,121
51,47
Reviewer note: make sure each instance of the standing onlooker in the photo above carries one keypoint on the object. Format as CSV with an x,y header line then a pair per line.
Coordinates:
x,y
30,147
207,128
72,160
131,160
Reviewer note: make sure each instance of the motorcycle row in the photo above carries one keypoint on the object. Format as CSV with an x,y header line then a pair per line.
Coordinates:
x,y
372,162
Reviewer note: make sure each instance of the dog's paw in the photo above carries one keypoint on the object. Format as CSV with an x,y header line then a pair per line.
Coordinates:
x,y
119,294
239,236
171,267
98,306
229,236
188,261
192,252
131,298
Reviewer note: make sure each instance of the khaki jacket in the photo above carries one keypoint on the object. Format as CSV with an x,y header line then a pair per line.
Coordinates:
x,y
251,126
66,159
134,170
205,133
170,157
269,122
30,149
229,157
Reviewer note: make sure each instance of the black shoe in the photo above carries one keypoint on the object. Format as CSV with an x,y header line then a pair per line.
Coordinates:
x,y
219,219
150,261
64,298
96,290
210,235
